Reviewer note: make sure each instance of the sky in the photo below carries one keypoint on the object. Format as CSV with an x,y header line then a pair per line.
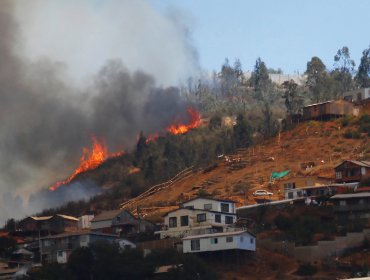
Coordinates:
x,y
285,33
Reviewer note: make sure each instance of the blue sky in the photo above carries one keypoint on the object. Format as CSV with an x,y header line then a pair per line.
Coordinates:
x,y
284,33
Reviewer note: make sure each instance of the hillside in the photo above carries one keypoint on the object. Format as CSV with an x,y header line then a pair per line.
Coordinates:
x,y
320,142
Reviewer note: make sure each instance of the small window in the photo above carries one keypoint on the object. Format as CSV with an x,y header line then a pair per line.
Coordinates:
x,y
338,175
229,220
208,206
342,203
225,207
201,217
118,218
218,218
184,221
252,240
60,253
195,244
241,238
172,222
290,195
229,239
299,194
214,240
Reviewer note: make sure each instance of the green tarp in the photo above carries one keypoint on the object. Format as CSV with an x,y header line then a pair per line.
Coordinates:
x,y
278,175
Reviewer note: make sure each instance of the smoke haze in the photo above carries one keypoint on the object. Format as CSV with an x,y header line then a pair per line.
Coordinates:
x,y
72,69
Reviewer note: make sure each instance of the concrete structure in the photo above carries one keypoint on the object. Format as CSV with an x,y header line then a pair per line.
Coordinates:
x,y
329,109
358,95
199,216
238,240
84,222
352,171
120,222
57,248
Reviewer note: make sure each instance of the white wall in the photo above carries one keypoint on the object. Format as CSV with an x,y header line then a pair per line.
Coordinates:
x,y
62,258
216,205
207,246
85,221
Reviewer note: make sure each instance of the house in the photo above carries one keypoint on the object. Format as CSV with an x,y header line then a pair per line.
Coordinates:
x,y
58,248
352,206
197,216
301,182
120,222
358,95
329,109
352,171
311,191
48,224
237,240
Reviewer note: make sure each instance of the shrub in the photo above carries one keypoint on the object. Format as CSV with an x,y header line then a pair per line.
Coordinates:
x,y
282,222
306,270
345,121
352,134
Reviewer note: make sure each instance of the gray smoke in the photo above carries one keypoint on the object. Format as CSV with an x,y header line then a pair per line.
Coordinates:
x,y
45,120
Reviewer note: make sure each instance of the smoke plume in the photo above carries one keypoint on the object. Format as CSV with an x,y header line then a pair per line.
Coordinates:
x,y
72,69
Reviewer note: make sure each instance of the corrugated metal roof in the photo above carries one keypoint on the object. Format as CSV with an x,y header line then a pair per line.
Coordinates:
x,y
351,195
42,218
107,215
67,217
77,233
357,162
219,234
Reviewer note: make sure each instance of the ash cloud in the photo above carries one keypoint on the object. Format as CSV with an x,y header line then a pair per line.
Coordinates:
x,y
45,119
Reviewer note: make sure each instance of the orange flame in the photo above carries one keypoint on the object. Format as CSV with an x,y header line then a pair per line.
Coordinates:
x,y
195,121
90,159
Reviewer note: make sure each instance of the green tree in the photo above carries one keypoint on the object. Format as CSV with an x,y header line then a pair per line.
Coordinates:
x,y
81,263
344,68
269,127
292,98
316,78
260,80
363,73
242,132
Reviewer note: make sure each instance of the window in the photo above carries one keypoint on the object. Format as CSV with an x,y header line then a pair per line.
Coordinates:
x,y
195,244
342,202
208,206
338,175
290,195
241,238
201,217
225,207
218,218
60,253
184,221
229,239
229,220
214,240
252,240
299,194
172,222
118,218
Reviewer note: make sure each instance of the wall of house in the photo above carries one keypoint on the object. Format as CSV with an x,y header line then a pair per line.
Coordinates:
x,y
215,205
241,242
101,224
301,182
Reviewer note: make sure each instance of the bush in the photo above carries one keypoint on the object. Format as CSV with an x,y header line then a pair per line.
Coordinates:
x,y
306,270
282,222
345,121
352,134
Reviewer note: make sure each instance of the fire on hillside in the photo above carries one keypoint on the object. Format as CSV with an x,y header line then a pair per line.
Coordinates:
x,y
91,159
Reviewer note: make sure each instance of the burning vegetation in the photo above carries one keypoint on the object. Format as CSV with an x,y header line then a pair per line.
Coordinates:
x,y
89,160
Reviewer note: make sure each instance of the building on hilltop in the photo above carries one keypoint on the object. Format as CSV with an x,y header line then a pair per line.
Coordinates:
x,y
47,224
353,206
358,96
329,109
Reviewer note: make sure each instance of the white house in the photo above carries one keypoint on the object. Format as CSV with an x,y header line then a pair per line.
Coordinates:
x,y
238,240
357,95
84,221
199,216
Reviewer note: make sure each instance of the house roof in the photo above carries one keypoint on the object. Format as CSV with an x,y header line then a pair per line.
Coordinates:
x,y
67,217
356,162
203,210
214,199
77,233
351,195
42,218
219,234
315,104
108,215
